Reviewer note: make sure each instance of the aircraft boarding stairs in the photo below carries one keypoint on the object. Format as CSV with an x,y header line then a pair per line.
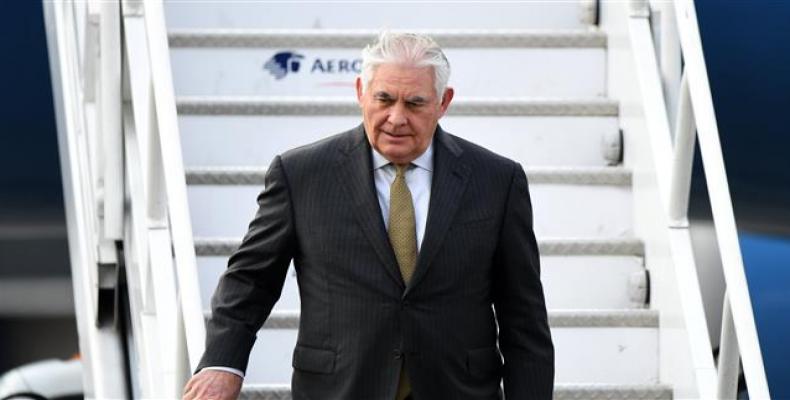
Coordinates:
x,y
537,97
533,82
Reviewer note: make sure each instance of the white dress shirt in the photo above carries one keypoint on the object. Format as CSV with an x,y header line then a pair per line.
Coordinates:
x,y
418,178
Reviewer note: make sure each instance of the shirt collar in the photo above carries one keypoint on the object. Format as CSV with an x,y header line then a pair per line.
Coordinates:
x,y
424,161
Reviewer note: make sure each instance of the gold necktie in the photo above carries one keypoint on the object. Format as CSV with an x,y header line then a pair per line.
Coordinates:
x,y
403,237
402,227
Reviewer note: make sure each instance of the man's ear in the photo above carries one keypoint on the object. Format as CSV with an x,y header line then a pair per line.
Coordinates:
x,y
446,99
358,85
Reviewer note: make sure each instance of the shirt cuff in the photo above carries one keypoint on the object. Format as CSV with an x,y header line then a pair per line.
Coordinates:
x,y
227,369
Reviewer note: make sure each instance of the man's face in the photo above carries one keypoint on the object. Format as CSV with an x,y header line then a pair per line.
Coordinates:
x,y
400,110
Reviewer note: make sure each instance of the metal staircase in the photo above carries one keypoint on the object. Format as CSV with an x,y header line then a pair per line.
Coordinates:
x,y
552,116
538,82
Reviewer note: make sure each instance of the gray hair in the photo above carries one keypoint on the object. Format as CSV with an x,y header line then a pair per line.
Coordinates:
x,y
406,48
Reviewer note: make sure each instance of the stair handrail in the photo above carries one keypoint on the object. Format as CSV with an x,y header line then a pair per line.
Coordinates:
x,y
157,323
698,379
134,188
92,180
167,178
695,119
738,314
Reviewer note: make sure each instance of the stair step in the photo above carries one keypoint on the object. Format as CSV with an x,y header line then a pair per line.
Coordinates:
x,y
222,200
603,318
536,175
599,247
534,141
554,190
226,210
326,62
252,71
612,392
489,106
569,282
562,391
591,282
411,15
547,247
358,38
282,319
630,353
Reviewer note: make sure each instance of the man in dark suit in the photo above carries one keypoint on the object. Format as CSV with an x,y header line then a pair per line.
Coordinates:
x,y
417,264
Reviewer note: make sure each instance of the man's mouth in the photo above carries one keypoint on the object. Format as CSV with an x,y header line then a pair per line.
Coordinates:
x,y
397,135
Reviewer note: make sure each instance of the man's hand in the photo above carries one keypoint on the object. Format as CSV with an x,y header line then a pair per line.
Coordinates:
x,y
214,385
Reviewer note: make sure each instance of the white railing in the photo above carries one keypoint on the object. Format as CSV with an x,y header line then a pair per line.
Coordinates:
x,y
738,314
86,198
123,125
175,180
695,119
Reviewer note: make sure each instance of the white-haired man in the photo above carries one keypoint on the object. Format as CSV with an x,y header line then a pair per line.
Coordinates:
x,y
417,264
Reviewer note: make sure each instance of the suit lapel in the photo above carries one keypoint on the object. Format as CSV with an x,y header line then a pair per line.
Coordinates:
x,y
356,175
449,181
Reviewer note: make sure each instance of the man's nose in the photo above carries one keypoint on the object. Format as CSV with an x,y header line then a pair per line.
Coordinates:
x,y
397,115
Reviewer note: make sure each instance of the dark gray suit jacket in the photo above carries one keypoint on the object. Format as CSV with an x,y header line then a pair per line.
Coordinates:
x,y
359,321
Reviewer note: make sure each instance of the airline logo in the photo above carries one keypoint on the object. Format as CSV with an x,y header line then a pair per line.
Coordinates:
x,y
282,63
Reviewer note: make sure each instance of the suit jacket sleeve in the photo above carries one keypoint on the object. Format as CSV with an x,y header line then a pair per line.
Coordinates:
x,y
524,336
254,278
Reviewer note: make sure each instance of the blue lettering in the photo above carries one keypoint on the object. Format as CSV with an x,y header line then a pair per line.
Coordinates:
x,y
356,65
342,66
317,65
336,65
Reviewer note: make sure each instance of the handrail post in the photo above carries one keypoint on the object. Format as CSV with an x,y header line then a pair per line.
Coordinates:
x,y
683,157
110,119
109,153
669,57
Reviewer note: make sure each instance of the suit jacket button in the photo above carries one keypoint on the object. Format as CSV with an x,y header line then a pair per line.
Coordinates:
x,y
398,354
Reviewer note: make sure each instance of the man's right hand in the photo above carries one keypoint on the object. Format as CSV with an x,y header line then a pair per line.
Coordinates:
x,y
213,384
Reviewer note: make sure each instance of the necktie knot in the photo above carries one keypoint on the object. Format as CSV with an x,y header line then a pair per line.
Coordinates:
x,y
400,169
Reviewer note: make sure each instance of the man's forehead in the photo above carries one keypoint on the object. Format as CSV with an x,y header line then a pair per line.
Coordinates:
x,y
397,80
401,72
